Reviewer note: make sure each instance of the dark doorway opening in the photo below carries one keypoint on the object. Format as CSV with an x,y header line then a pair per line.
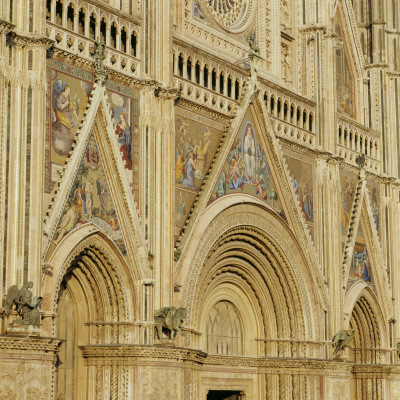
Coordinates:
x,y
225,395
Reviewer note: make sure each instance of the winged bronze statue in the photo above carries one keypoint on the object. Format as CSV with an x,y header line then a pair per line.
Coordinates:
x,y
342,340
26,305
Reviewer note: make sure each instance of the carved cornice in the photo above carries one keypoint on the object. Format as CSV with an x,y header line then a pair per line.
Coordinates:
x,y
31,344
166,93
112,351
376,369
113,75
368,67
393,74
29,40
313,28
70,58
104,354
6,26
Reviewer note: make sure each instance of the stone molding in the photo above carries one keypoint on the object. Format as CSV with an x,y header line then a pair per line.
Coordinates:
x,y
26,343
110,354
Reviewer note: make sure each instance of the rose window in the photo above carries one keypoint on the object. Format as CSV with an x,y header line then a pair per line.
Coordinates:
x,y
226,12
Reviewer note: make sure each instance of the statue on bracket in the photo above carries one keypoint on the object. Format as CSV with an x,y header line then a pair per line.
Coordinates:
x,y
169,320
100,74
341,341
254,57
26,305
360,160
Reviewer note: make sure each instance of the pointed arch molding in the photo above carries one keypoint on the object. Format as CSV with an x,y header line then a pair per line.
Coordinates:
x,y
375,254
355,293
274,235
279,173
104,259
97,120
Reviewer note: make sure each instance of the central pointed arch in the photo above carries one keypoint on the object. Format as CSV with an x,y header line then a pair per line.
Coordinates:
x,y
251,250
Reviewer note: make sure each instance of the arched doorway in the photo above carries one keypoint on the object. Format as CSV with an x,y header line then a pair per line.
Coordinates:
x,y
370,347
250,294
94,303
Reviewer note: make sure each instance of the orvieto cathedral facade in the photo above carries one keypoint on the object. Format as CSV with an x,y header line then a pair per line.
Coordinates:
x,y
199,199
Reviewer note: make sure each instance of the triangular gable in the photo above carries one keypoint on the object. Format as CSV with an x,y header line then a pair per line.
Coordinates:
x,y
90,200
196,141
97,124
124,105
280,200
366,263
247,170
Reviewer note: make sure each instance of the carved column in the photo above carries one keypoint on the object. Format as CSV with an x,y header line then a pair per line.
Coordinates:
x,y
5,133
158,41
326,91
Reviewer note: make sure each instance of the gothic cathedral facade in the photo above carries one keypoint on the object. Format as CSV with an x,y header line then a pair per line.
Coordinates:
x,y
200,199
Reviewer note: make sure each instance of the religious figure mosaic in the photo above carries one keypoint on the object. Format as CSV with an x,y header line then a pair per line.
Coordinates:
x,y
90,200
360,267
196,141
68,96
373,191
246,169
302,175
70,89
124,104
344,79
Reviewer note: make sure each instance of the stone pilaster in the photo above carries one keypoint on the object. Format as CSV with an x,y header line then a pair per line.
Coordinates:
x,y
24,69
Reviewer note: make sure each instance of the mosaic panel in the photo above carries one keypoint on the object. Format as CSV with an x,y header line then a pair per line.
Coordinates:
x,y
247,170
90,200
196,141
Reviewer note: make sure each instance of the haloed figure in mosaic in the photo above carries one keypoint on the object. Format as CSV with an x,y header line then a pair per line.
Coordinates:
x,y
249,153
66,118
123,131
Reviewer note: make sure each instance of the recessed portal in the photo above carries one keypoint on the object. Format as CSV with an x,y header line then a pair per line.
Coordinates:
x,y
225,395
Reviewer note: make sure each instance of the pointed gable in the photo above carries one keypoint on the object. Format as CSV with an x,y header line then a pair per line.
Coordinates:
x,y
247,169
90,200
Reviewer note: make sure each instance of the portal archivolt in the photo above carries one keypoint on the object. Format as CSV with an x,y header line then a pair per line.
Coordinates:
x,y
248,267
94,304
